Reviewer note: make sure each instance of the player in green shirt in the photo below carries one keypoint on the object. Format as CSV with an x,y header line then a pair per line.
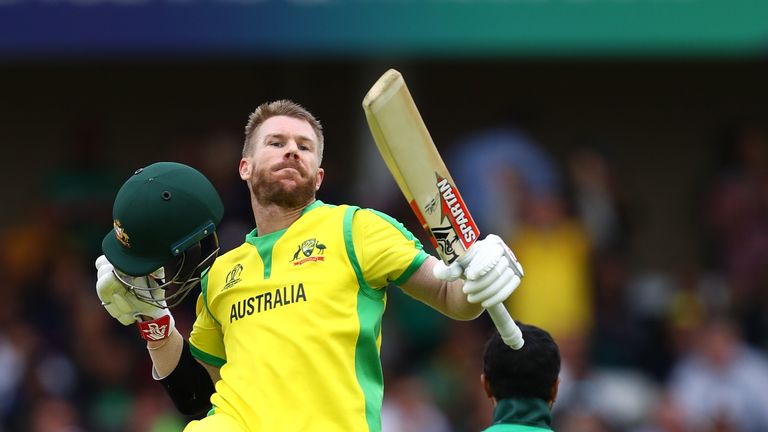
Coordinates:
x,y
522,384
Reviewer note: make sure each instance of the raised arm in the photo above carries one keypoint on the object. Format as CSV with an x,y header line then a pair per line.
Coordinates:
x,y
491,273
444,296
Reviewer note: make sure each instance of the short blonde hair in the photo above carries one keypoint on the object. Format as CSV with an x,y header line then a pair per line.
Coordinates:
x,y
283,107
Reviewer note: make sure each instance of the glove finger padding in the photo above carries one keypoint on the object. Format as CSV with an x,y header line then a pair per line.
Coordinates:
x,y
122,303
487,256
480,284
103,271
111,292
123,306
107,286
114,310
487,288
504,288
101,261
495,286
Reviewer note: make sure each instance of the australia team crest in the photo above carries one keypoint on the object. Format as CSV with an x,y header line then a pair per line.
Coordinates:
x,y
120,234
311,249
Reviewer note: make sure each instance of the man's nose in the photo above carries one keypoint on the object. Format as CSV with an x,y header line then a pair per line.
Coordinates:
x,y
292,149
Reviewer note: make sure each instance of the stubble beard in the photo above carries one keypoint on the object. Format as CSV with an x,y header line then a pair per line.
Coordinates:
x,y
271,192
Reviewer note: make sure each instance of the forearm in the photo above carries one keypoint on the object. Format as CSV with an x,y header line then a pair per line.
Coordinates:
x,y
188,382
165,354
446,297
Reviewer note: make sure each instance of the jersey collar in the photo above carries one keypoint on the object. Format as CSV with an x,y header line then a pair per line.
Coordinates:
x,y
253,236
523,411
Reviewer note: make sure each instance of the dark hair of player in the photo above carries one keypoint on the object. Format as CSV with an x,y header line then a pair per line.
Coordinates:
x,y
529,372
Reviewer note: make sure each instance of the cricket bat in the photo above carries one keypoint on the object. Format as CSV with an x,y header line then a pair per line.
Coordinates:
x,y
411,156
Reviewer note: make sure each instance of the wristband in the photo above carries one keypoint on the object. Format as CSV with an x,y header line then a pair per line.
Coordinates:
x,y
156,329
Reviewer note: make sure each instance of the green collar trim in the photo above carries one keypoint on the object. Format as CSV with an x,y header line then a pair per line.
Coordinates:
x,y
265,243
254,238
523,411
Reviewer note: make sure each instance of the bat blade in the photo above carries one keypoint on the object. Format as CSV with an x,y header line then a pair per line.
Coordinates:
x,y
411,156
415,163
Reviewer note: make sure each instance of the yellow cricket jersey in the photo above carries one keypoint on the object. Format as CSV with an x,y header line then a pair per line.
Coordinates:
x,y
293,318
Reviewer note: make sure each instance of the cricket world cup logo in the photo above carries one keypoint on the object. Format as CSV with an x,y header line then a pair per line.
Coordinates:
x,y
233,277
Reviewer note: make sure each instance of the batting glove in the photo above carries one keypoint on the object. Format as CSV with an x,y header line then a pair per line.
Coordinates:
x,y
154,323
491,270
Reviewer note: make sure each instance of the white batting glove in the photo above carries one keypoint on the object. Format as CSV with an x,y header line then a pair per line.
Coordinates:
x,y
491,270
154,323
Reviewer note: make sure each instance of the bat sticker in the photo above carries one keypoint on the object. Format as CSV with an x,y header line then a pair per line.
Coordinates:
x,y
445,236
456,211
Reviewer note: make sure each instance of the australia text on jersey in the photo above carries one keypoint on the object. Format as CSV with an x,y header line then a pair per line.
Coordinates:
x,y
267,301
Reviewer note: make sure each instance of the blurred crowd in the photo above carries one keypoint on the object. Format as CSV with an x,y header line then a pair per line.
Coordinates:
x,y
644,349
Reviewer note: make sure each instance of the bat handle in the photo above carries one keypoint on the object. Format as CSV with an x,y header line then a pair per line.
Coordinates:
x,y
509,331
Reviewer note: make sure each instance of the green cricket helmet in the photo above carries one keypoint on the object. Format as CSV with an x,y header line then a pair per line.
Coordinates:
x,y
165,218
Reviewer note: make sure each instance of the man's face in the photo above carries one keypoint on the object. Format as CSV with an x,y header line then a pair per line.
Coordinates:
x,y
282,168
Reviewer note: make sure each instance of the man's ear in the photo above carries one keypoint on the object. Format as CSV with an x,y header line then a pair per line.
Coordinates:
x,y
245,169
555,388
320,177
486,386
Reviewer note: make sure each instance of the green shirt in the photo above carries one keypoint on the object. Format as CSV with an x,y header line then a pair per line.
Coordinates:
x,y
521,415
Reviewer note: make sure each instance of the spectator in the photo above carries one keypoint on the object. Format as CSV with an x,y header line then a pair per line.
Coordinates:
x,y
722,381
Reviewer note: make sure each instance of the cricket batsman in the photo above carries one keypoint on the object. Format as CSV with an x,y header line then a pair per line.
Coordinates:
x,y
288,327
